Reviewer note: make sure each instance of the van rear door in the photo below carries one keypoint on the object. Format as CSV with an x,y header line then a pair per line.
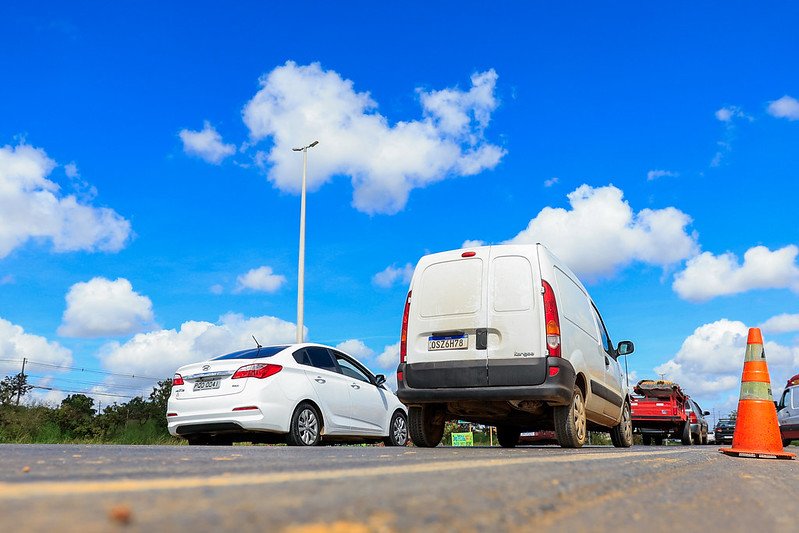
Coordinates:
x,y
447,322
515,318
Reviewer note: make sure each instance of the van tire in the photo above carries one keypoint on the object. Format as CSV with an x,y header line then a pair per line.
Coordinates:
x,y
622,435
508,436
570,423
426,425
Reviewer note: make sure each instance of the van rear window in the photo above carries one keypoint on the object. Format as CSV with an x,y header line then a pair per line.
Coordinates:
x,y
451,288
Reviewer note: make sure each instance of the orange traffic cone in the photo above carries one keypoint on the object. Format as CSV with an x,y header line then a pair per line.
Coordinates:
x,y
757,433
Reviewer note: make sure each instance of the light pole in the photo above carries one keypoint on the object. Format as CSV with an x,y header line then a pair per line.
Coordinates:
x,y
301,266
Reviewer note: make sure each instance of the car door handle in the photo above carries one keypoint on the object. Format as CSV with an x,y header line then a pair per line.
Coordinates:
x,y
607,361
354,386
319,380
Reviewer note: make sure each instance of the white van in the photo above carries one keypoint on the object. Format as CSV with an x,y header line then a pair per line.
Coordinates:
x,y
508,336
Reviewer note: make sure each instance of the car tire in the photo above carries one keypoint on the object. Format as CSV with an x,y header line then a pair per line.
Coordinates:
x,y
426,425
687,437
622,435
397,430
508,436
705,440
306,426
571,428
786,442
647,439
658,441
198,440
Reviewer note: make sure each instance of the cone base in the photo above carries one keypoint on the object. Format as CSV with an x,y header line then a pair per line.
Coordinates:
x,y
756,454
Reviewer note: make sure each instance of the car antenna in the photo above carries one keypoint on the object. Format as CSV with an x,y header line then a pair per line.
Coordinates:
x,y
258,344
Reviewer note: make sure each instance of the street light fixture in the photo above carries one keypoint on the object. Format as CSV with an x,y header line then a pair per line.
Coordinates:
x,y
301,266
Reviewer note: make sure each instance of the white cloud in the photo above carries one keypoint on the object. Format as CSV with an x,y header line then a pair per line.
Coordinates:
x,y
707,276
551,181
356,348
298,104
217,289
160,353
104,308
470,243
71,170
32,208
655,174
260,279
393,274
727,114
785,107
710,360
206,144
389,357
16,344
601,233
783,323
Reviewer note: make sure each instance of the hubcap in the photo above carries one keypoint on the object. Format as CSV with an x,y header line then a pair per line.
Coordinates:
x,y
579,417
307,426
400,430
628,425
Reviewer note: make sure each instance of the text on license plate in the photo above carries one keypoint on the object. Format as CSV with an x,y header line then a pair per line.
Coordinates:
x,y
447,343
207,385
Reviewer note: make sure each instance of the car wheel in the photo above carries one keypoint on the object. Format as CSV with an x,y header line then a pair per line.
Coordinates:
x,y
647,439
305,426
426,425
658,441
198,440
508,436
705,440
570,424
622,435
398,430
687,437
786,442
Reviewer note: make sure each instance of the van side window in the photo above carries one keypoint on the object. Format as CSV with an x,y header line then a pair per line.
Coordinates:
x,y
603,333
576,306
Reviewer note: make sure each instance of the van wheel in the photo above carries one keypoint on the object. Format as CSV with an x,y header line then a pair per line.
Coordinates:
x,y
687,437
647,440
570,423
622,435
508,436
426,425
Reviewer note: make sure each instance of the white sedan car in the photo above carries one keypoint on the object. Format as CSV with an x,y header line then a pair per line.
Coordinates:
x,y
301,394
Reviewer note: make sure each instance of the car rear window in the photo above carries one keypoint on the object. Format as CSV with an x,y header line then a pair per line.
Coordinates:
x,y
266,351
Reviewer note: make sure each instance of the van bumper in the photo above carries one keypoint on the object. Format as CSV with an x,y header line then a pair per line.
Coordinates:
x,y
554,390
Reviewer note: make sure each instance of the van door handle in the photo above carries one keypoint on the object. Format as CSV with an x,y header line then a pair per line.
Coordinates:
x,y
319,380
482,338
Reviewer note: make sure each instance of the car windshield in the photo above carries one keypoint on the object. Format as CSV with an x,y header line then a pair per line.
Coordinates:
x,y
727,424
255,353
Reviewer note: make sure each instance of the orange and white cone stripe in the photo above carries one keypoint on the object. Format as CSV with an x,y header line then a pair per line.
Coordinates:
x,y
757,432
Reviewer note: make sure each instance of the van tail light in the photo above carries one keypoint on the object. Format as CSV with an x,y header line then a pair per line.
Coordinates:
x,y
552,321
403,351
178,380
257,371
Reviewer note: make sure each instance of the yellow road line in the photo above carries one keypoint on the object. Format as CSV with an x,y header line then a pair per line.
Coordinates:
x,y
12,491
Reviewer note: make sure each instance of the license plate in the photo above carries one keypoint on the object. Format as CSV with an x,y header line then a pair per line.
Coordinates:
x,y
447,343
207,385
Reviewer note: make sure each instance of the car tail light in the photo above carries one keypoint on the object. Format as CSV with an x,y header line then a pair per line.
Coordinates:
x,y
553,371
171,414
178,380
552,321
403,351
257,370
692,418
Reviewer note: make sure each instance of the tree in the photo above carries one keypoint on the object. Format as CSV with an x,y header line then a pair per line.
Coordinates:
x,y
76,415
13,388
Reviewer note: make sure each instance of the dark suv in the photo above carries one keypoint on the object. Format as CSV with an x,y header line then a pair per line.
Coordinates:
x,y
724,431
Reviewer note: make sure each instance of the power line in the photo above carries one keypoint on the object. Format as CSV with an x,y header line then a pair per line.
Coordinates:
x,y
84,392
81,382
80,369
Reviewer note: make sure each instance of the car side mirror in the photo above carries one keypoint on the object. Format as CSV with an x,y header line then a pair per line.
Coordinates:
x,y
625,348
380,379
777,406
705,413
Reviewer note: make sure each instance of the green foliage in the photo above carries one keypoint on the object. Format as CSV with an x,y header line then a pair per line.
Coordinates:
x,y
13,388
137,421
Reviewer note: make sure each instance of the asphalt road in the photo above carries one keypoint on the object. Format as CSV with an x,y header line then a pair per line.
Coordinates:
x,y
350,488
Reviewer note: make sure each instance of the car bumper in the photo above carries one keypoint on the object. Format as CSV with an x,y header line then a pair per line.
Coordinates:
x,y
554,390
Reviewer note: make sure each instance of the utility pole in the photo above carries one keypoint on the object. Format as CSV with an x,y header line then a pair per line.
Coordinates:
x,y
21,378
301,265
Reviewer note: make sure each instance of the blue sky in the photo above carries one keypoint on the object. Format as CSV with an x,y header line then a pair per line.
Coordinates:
x,y
147,169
